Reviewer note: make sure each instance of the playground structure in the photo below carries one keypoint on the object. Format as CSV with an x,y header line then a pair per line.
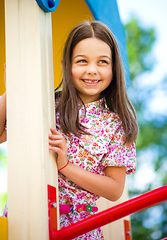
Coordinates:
x,y
33,40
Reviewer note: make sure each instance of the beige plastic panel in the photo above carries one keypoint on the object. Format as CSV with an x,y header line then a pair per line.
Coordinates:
x,y
115,230
30,103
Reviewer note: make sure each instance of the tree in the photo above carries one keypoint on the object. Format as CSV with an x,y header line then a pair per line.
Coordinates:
x,y
152,140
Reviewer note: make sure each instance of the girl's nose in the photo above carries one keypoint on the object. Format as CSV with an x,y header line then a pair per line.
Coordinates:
x,y
91,69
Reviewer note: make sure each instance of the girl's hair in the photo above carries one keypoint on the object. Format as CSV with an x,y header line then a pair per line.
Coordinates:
x,y
115,94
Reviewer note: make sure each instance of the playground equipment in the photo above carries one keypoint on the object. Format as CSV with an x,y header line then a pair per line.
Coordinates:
x,y
34,39
131,206
121,210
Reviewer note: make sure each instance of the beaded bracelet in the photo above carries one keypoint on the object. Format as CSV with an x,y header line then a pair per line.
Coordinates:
x,y
64,166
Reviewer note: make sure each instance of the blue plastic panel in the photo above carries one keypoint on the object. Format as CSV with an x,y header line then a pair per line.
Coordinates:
x,y
48,5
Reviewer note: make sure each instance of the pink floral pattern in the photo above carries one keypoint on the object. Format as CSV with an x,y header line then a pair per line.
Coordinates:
x,y
5,212
104,147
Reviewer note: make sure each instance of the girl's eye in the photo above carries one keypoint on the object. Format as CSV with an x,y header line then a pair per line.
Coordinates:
x,y
103,62
81,61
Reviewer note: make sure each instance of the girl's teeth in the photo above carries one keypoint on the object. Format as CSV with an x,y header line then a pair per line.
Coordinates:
x,y
88,81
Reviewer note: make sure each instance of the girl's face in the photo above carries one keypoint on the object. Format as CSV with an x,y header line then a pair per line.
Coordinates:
x,y
91,69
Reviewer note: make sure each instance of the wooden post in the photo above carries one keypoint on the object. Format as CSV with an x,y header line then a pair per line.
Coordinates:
x,y
30,114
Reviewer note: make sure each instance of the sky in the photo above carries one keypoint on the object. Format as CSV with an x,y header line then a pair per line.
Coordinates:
x,y
150,13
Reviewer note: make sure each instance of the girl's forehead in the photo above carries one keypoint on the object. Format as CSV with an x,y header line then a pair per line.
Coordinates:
x,y
92,45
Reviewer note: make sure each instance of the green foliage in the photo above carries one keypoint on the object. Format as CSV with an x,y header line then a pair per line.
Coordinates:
x,y
139,43
152,129
3,201
3,166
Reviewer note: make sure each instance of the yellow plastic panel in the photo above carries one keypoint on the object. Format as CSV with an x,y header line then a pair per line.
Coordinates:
x,y
2,46
3,228
67,15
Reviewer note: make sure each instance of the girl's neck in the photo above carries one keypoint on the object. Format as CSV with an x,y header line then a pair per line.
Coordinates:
x,y
90,99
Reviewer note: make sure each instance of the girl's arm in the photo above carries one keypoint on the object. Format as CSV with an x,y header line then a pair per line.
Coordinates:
x,y
3,113
3,136
2,117
109,186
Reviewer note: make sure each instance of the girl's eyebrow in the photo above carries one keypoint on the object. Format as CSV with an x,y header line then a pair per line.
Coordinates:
x,y
79,55
105,56
82,55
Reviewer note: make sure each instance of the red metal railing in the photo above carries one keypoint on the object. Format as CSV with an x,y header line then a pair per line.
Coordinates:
x,y
134,205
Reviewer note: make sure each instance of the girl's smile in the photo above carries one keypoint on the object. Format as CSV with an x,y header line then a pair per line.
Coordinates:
x,y
90,82
91,68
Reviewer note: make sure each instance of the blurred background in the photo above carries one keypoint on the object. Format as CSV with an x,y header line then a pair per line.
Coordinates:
x,y
146,33
145,26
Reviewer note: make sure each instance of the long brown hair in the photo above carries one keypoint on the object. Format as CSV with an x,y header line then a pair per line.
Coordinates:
x,y
115,94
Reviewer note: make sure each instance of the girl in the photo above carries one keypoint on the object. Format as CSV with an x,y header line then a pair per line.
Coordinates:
x,y
95,125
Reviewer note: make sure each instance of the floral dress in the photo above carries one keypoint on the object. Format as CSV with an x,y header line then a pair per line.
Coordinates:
x,y
104,147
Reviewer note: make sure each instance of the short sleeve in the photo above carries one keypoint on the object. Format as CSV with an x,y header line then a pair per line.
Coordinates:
x,y
119,154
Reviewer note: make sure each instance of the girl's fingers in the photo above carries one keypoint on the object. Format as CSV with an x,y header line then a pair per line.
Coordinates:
x,y
54,149
55,137
56,140
56,143
58,150
54,131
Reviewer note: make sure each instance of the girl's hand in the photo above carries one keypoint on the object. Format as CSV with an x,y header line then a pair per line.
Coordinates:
x,y
5,74
58,145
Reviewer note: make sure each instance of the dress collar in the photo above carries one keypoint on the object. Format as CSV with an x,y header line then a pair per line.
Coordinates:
x,y
97,104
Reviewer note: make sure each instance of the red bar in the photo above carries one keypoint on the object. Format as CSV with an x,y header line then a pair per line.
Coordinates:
x,y
52,211
112,214
127,229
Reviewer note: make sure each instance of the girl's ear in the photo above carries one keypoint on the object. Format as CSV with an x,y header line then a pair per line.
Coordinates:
x,y
62,62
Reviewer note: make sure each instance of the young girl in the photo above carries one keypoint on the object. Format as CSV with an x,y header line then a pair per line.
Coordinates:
x,y
95,125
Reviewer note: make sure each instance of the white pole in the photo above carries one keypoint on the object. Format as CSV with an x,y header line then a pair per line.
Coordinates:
x,y
30,114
